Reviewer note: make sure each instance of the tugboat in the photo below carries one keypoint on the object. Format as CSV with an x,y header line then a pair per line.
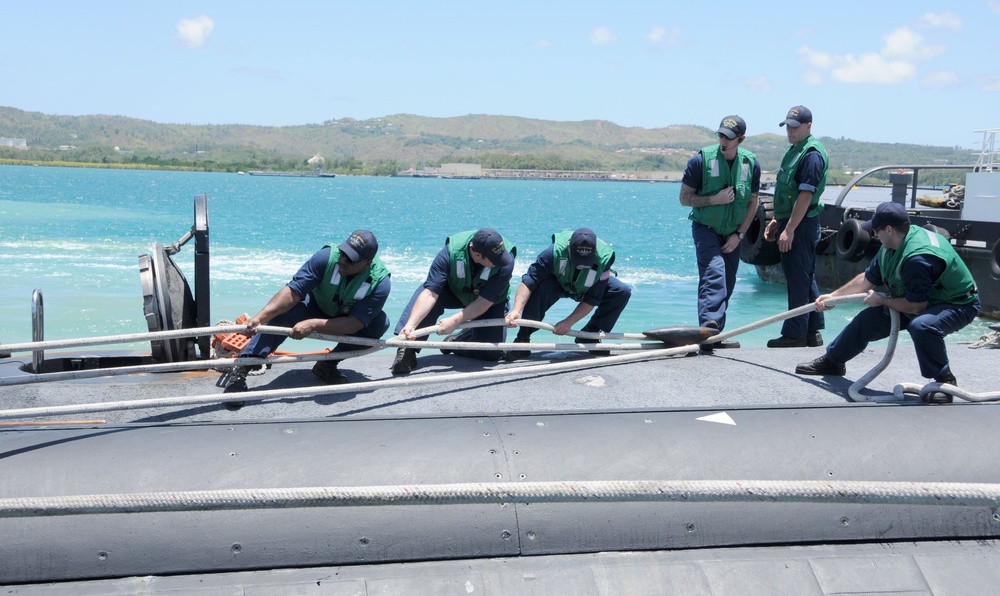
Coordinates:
x,y
971,222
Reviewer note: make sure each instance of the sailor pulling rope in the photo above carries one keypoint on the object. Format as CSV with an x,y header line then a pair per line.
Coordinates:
x,y
645,351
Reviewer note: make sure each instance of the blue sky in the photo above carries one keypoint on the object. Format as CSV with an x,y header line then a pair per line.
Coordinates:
x,y
910,72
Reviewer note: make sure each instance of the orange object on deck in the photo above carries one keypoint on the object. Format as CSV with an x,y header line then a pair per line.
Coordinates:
x,y
231,342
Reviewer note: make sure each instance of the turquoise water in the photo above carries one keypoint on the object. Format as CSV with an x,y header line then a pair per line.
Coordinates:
x,y
76,234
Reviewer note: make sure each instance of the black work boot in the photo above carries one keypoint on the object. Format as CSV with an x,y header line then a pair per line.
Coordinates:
x,y
235,381
940,397
581,340
512,355
405,361
463,336
822,366
327,371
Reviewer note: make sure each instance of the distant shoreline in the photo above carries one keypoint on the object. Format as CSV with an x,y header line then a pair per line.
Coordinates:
x,y
496,174
102,166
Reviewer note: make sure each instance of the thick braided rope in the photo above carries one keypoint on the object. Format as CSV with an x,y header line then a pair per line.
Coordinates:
x,y
854,391
684,491
297,392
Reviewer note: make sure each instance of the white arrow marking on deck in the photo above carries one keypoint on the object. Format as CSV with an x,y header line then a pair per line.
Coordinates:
x,y
721,418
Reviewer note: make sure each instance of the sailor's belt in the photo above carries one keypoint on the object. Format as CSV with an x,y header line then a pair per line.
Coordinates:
x,y
969,294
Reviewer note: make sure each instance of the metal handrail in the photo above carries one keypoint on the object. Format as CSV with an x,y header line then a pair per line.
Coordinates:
x,y
37,329
916,169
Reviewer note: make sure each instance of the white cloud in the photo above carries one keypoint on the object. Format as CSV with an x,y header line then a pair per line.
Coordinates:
x,y
602,36
894,63
543,43
663,36
872,68
992,85
817,63
907,44
761,83
938,79
817,60
194,32
944,20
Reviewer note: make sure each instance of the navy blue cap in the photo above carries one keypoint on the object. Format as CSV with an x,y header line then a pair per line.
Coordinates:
x,y
359,246
582,248
489,243
797,116
887,214
732,127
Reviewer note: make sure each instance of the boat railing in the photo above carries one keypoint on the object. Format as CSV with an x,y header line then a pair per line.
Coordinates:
x,y
988,161
906,180
989,156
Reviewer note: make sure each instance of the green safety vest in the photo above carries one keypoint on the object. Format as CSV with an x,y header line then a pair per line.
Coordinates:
x,y
716,174
786,189
460,278
956,284
577,283
336,295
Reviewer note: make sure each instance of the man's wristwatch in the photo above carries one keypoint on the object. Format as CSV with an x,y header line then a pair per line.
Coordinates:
x,y
740,234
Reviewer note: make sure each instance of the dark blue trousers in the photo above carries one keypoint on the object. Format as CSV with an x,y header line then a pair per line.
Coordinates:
x,y
548,292
716,274
928,330
264,344
799,267
447,299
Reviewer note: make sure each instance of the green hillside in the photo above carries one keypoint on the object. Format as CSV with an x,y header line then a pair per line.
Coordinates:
x,y
386,145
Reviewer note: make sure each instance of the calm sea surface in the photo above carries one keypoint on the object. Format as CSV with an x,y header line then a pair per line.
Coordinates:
x,y
76,234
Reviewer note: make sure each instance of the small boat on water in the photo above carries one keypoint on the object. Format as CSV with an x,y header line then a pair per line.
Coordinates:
x,y
644,472
970,219
317,173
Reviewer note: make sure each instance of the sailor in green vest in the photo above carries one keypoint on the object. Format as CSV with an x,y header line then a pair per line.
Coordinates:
x,y
338,291
720,184
577,265
927,283
798,186
471,273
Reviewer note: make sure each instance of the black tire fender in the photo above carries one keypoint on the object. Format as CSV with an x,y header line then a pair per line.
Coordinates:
x,y
852,241
754,249
938,230
995,260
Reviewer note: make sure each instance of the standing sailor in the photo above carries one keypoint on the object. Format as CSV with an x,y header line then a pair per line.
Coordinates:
x,y
797,189
721,185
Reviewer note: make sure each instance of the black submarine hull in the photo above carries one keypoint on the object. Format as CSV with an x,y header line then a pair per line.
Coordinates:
x,y
855,442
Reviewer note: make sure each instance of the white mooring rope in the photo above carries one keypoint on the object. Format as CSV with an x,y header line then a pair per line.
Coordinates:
x,y
682,491
647,351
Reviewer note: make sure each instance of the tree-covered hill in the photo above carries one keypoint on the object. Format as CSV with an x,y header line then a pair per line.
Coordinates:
x,y
398,142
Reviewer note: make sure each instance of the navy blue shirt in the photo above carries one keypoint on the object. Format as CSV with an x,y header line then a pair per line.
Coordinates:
x,y
919,273
494,288
695,166
810,171
309,276
544,268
